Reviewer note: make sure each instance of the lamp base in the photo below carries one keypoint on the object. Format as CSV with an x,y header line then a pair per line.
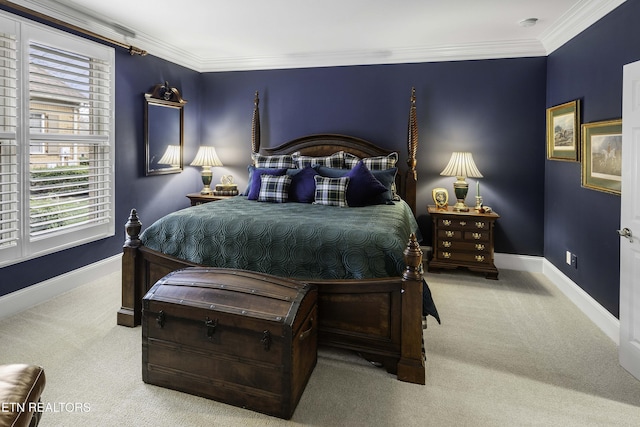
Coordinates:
x,y
460,188
206,180
460,207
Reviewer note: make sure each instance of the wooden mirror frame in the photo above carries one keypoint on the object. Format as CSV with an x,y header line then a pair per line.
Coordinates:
x,y
161,129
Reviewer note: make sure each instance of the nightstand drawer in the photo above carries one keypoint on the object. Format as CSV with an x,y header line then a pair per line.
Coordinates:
x,y
450,234
468,257
454,245
466,224
479,236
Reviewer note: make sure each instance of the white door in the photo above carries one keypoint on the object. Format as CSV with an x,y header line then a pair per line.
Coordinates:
x,y
629,351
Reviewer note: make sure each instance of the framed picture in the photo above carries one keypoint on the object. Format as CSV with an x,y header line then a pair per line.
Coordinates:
x,y
563,128
602,156
440,197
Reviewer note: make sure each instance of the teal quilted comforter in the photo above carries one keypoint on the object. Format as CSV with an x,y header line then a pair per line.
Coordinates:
x,y
295,240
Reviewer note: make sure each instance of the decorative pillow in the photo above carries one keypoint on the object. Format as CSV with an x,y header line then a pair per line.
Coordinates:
x,y
274,189
254,179
386,177
363,186
303,186
331,191
381,162
373,163
279,161
336,160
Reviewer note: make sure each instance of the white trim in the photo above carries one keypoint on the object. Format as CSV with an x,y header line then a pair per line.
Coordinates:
x,y
577,19
606,321
532,264
582,15
23,299
599,315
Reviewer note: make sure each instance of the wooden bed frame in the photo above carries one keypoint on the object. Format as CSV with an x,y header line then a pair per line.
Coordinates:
x,y
379,318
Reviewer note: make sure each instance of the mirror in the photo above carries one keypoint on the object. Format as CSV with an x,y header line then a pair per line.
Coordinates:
x,y
164,130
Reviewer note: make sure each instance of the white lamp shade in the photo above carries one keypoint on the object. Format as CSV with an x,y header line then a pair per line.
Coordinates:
x,y
461,164
171,156
206,156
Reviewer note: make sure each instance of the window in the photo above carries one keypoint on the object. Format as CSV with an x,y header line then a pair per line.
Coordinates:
x,y
56,147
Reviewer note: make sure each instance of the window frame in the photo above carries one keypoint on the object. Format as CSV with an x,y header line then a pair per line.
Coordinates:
x,y
27,246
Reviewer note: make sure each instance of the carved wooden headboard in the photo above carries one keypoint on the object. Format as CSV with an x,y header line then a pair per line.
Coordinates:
x,y
327,144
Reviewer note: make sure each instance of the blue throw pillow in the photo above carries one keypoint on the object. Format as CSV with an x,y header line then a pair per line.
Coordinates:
x,y
254,179
303,186
386,178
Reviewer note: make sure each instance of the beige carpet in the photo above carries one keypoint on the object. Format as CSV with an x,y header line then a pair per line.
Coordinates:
x,y
512,352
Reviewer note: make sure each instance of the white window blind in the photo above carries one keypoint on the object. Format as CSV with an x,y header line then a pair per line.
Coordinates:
x,y
56,140
70,157
9,202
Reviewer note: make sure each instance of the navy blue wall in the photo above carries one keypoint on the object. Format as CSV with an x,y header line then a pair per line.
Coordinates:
x,y
580,220
493,108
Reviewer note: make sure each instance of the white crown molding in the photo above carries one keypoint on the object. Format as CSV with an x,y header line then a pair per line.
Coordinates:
x,y
582,15
460,52
577,19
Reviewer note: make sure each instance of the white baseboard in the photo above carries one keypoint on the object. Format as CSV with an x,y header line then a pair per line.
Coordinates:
x,y
599,315
23,299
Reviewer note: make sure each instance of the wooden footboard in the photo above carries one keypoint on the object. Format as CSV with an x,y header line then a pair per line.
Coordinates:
x,y
378,318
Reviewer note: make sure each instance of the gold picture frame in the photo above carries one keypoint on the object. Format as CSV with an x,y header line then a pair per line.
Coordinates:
x,y
602,156
563,132
440,197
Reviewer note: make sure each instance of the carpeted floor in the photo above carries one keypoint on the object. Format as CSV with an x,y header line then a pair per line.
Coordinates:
x,y
512,352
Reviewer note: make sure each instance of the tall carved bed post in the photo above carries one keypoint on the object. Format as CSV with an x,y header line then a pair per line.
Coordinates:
x,y
411,179
255,125
411,366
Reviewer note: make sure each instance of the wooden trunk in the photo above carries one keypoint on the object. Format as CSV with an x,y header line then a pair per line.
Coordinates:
x,y
243,338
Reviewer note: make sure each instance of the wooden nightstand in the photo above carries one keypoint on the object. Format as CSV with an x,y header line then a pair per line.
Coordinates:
x,y
198,199
463,239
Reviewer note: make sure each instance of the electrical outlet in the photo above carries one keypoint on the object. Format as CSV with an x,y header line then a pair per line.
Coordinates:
x,y
574,261
568,258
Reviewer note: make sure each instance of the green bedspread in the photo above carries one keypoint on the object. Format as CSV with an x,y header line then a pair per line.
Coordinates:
x,y
296,240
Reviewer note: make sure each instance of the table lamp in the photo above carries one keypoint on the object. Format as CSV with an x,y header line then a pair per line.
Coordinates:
x,y
207,158
461,166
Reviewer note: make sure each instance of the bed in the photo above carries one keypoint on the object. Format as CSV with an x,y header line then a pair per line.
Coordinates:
x,y
372,296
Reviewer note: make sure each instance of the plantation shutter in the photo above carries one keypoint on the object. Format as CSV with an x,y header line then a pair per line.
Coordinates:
x,y
9,196
70,153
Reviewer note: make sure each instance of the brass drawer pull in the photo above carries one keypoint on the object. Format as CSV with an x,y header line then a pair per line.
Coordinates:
x,y
449,233
463,223
480,224
479,258
480,246
446,222
446,243
446,254
477,236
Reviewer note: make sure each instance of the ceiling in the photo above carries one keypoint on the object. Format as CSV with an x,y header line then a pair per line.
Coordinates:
x,y
228,35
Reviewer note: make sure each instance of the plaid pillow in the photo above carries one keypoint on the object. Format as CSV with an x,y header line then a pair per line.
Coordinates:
x,y
336,160
350,160
331,191
380,163
274,189
280,161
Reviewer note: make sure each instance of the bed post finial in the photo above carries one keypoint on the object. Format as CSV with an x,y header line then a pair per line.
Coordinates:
x,y
255,125
413,259
132,228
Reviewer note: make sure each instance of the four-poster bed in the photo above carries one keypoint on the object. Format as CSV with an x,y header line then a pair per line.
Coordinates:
x,y
378,315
